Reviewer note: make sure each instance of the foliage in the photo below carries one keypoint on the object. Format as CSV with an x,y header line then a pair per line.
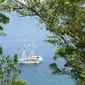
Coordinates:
x,y
3,20
67,26
65,19
19,82
8,69
0,50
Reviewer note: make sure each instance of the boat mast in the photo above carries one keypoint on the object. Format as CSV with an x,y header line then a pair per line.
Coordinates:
x,y
32,49
24,56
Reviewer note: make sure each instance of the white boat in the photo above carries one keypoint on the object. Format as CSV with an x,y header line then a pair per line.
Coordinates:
x,y
36,59
31,58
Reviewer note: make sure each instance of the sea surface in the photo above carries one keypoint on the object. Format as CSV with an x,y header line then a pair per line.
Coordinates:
x,y
26,29
35,74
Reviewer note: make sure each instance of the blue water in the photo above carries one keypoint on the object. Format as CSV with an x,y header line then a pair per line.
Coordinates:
x,y
35,74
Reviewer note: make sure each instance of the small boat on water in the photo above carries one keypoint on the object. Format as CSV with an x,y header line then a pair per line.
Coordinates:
x,y
31,59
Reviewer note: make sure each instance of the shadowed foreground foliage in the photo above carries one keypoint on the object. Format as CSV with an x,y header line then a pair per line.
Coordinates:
x,y
8,69
65,19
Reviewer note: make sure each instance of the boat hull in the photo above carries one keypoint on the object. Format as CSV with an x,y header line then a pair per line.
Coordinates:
x,y
29,62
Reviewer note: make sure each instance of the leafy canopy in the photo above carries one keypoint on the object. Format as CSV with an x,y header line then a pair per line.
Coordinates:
x,y
65,19
8,69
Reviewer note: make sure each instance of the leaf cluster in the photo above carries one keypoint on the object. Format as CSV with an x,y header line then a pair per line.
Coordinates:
x,y
3,20
9,71
65,19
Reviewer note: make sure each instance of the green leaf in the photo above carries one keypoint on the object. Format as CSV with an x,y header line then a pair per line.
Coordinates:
x,y
1,28
1,51
60,51
4,19
1,1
